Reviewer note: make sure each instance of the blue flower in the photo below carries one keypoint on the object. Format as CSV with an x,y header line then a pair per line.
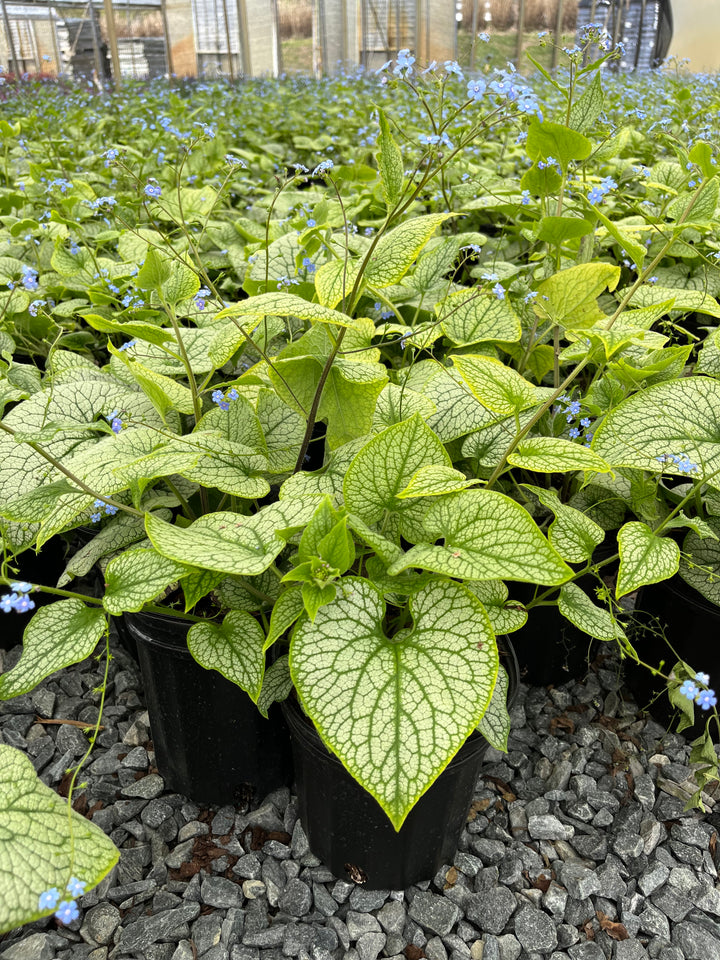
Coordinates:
x,y
596,195
76,888
232,394
49,899
216,396
30,280
405,60
453,67
574,433
574,407
688,689
485,37
96,517
24,603
308,264
499,291
116,424
153,190
67,911
525,197
585,422
110,509
21,586
476,89
707,699
127,345
323,167
199,298
7,602
703,678
311,222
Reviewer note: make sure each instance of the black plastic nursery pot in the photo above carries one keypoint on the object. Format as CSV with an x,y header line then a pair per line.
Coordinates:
x,y
211,742
348,830
550,649
691,624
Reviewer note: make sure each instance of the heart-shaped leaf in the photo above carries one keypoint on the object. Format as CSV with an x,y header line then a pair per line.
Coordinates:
x,y
236,649
396,710
644,558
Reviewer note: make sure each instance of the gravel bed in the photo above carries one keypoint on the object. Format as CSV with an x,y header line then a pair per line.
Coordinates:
x,y
577,846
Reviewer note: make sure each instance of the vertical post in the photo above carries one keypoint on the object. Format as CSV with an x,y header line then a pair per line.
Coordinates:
x,y
322,39
112,41
344,39
166,34
473,45
640,33
226,19
95,30
520,33
10,41
244,42
54,38
558,34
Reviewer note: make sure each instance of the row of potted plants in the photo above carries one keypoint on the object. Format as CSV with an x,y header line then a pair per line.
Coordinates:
x,y
320,491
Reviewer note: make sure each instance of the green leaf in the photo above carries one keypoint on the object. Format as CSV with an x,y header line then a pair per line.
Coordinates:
x,y
164,393
390,162
704,203
386,550
478,317
700,563
198,584
286,610
118,533
556,455
154,272
695,301
487,536
506,616
572,294
321,523
555,140
133,328
577,607
282,428
276,685
396,711
236,649
432,481
337,548
334,281
585,110
702,154
284,305
385,466
644,558
395,404
572,533
560,229
137,576
635,250
181,284
684,705
58,635
680,416
315,597
495,724
230,542
499,389
397,250
42,843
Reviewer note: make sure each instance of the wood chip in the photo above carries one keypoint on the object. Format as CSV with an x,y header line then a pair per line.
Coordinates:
x,y
617,931
451,878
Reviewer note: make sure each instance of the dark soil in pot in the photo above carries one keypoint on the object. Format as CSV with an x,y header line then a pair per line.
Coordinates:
x,y
211,743
346,827
691,624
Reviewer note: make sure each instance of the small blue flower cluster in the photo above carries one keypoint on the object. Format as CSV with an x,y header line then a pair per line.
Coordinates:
x,y
572,412
308,265
384,314
67,910
704,698
548,163
200,298
680,460
223,398
405,60
601,190
434,139
18,600
110,155
99,506
35,306
115,421
30,278
153,189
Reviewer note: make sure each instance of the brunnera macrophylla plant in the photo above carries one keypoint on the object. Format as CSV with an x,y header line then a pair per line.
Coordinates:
x,y
399,386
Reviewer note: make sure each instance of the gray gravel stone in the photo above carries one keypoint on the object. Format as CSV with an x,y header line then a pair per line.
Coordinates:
x,y
695,941
167,925
366,900
579,881
100,923
535,930
434,913
392,916
37,946
630,950
369,945
360,923
148,788
548,827
219,892
296,899
589,950
491,909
